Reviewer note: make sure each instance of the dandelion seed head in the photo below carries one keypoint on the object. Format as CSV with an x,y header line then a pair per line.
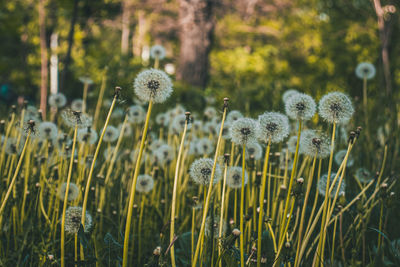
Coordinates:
x,y
210,127
204,146
312,142
111,134
136,114
244,131
77,105
234,177
363,175
340,155
73,191
291,144
47,131
157,51
322,185
57,100
153,85
365,70
127,129
274,126
255,150
85,80
87,135
200,171
225,130
300,107
178,124
212,227
288,93
145,183
156,144
12,148
73,216
336,107
164,154
72,118
162,119
233,116
210,112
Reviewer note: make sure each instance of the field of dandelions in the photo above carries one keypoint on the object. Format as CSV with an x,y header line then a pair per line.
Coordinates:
x,y
211,188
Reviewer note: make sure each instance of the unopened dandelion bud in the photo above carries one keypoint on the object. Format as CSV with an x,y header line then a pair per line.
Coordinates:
x,y
13,108
2,123
157,251
358,131
384,186
187,114
226,158
300,180
287,245
25,104
226,100
236,232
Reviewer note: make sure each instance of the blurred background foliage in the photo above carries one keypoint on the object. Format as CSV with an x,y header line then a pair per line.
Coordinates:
x,y
258,49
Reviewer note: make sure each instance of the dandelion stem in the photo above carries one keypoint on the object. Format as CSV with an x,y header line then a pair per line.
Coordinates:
x,y
205,210
262,194
90,175
242,207
133,187
71,162
221,217
178,161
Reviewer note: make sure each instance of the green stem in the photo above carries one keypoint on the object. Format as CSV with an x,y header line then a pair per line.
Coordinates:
x,y
242,208
262,194
133,186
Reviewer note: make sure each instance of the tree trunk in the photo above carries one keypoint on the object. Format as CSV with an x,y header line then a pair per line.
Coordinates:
x,y
126,14
43,59
196,23
70,41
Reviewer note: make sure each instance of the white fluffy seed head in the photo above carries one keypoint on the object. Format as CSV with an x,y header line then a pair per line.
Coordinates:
x,y
136,114
73,217
77,105
157,51
340,155
162,119
153,84
234,177
233,116
336,107
210,127
73,191
178,124
204,146
226,130
212,227
57,100
322,185
47,131
72,118
315,143
274,126
111,134
255,150
363,175
145,183
365,70
210,112
291,144
87,135
244,131
288,93
300,107
164,154
200,171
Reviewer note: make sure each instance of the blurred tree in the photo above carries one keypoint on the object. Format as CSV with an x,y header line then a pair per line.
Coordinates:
x,y
196,20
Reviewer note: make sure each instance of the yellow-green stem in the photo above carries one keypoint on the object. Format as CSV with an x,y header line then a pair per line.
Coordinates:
x,y
241,214
205,210
262,194
133,187
178,161
71,162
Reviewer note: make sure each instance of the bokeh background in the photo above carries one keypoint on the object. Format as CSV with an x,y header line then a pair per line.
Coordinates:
x,y
249,50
